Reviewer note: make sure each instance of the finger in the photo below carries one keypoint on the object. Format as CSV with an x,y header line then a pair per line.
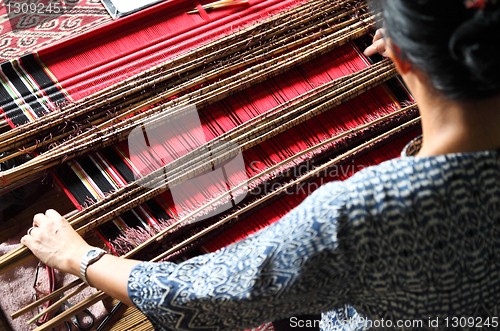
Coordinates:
x,y
369,51
27,241
379,35
33,232
377,47
39,219
52,213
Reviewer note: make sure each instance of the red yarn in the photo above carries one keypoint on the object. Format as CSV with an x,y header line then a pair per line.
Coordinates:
x,y
477,4
4,180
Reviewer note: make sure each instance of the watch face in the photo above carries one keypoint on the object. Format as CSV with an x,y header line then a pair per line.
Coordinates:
x,y
92,254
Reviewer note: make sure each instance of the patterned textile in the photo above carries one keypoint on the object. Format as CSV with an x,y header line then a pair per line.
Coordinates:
x,y
343,319
26,25
347,318
413,147
264,327
412,242
28,90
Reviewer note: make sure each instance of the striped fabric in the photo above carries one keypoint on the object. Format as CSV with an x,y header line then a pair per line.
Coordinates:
x,y
92,178
28,90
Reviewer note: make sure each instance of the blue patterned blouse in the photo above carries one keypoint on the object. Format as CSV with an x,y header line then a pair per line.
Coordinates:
x,y
413,242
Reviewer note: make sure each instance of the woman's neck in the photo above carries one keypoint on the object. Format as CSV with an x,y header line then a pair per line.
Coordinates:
x,y
456,126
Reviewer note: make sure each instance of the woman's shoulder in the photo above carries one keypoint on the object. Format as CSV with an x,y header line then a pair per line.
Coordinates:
x,y
435,169
407,181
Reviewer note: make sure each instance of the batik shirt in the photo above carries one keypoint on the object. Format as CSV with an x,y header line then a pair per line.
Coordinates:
x,y
410,242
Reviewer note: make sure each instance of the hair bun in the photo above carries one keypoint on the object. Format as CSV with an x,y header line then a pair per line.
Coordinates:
x,y
474,44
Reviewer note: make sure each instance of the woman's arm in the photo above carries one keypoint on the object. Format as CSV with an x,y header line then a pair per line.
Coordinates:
x,y
301,264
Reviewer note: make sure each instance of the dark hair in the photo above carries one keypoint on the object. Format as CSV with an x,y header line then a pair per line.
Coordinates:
x,y
457,46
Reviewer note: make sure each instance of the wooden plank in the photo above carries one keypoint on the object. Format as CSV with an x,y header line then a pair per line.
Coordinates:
x,y
127,318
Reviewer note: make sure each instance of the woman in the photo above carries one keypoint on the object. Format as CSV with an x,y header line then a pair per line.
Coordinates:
x,y
414,241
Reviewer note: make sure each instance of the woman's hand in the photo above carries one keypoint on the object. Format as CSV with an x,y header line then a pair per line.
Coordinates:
x,y
57,245
55,242
379,44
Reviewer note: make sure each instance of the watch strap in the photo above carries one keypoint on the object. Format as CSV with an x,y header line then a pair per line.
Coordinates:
x,y
90,257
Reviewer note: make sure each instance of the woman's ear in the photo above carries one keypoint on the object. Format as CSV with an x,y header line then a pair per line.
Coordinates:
x,y
394,53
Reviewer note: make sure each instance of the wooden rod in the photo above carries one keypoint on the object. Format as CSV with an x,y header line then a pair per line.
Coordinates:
x,y
3,124
76,309
58,303
46,298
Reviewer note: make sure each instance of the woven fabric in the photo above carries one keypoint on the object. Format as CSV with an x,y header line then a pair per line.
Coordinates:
x,y
413,147
25,29
264,327
411,240
114,52
28,90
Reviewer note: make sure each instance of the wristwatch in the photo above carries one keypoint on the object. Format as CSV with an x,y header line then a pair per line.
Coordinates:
x,y
92,256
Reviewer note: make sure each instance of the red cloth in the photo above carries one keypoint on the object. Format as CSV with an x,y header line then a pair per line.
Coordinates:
x,y
111,53
21,33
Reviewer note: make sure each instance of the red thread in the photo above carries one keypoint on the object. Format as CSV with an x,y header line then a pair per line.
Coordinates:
x,y
24,150
203,12
477,4
4,180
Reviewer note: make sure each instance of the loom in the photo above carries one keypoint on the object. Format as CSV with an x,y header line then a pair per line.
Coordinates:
x,y
283,81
